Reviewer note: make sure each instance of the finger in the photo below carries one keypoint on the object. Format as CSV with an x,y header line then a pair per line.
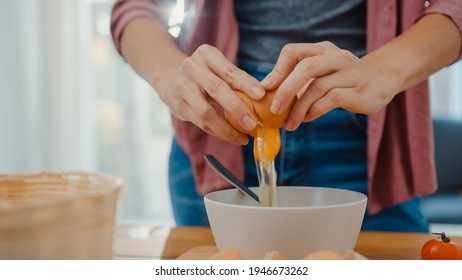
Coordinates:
x,y
241,139
306,69
194,107
191,116
212,123
188,114
335,98
290,55
315,91
178,107
230,73
204,115
223,94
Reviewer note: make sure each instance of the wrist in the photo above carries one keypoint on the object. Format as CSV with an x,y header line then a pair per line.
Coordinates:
x,y
388,72
161,75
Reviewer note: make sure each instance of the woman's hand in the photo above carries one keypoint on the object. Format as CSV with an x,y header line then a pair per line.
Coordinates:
x,y
202,79
190,85
326,77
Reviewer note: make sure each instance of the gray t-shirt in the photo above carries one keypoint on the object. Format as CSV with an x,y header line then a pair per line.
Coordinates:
x,y
265,26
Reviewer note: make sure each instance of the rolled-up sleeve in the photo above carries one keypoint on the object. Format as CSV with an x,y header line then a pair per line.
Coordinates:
x,y
124,11
450,8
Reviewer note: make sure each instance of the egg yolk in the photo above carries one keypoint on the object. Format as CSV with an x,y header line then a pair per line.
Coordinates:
x,y
267,143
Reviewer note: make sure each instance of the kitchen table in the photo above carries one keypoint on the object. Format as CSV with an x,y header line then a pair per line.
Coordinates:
x,y
168,243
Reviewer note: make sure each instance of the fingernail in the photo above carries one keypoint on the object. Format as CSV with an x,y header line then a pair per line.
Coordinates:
x,y
266,82
275,106
257,91
242,140
290,124
249,122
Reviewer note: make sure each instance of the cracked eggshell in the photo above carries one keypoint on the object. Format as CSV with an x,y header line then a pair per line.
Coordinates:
x,y
261,108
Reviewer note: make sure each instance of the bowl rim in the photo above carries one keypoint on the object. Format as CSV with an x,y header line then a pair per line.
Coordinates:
x,y
115,186
362,199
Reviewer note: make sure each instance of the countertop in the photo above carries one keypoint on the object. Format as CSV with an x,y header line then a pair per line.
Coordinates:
x,y
168,243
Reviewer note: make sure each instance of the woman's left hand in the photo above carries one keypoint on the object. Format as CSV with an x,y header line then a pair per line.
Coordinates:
x,y
325,77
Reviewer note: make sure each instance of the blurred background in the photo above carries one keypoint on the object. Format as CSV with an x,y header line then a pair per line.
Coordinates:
x,y
68,101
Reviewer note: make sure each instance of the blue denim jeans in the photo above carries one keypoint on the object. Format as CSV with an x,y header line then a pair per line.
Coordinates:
x,y
327,152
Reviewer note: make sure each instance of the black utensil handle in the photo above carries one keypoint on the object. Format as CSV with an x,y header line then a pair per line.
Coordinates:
x,y
228,176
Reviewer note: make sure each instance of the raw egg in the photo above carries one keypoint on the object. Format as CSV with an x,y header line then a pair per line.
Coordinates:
x,y
270,145
267,142
261,108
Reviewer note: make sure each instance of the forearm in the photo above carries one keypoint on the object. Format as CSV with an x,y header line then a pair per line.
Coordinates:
x,y
150,50
432,43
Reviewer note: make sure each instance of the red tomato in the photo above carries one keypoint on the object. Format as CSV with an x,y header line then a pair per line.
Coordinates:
x,y
441,249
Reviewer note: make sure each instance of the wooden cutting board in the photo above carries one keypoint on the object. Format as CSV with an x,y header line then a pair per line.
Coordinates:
x,y
373,245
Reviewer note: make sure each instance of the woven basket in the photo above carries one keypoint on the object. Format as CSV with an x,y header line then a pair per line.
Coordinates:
x,y
57,215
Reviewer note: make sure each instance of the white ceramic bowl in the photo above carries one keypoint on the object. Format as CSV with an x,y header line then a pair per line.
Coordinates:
x,y
308,219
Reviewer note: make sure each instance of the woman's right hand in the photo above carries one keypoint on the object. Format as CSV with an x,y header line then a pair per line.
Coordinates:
x,y
204,79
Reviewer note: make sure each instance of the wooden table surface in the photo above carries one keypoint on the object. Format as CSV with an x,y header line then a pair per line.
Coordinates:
x,y
153,242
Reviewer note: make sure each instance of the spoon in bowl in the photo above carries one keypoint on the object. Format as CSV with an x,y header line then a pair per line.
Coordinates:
x,y
228,176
